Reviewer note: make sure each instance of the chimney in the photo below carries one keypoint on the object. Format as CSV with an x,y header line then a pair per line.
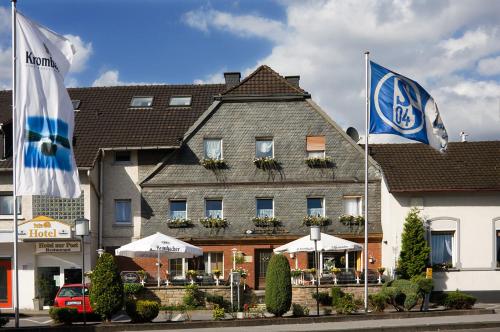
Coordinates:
x,y
463,136
293,80
232,78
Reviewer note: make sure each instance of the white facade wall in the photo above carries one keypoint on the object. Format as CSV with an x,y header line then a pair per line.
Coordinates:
x,y
472,216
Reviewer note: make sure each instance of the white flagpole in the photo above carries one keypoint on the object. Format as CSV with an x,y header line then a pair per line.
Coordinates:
x,y
14,191
367,132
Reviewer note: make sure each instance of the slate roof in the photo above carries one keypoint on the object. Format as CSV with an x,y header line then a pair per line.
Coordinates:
x,y
106,120
264,81
466,166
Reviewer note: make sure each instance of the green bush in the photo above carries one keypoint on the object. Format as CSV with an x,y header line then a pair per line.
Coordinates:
x,y
4,320
346,305
278,285
299,310
336,295
132,289
106,293
378,301
415,252
218,313
193,297
218,300
459,300
142,311
402,294
65,316
323,297
425,285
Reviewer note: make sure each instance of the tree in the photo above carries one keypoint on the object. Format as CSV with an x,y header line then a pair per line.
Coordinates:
x,y
414,253
278,285
106,293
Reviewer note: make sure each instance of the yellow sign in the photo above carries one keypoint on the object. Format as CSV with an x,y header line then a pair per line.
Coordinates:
x,y
428,273
44,228
52,247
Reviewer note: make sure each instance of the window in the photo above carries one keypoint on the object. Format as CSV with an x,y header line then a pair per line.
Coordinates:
x,y
180,101
76,104
178,209
442,248
498,247
6,205
175,267
315,146
123,211
315,207
213,148
352,206
213,208
122,156
264,148
265,207
213,261
141,102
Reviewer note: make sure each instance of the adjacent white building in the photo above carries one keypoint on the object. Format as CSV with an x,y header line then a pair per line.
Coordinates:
x,y
458,194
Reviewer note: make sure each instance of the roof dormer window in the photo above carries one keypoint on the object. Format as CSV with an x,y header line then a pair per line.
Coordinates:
x,y
76,104
180,101
141,102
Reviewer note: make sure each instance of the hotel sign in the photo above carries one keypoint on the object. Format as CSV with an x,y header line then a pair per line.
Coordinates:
x,y
56,247
43,228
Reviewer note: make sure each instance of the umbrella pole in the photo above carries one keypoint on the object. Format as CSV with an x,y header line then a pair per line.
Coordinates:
x,y
158,267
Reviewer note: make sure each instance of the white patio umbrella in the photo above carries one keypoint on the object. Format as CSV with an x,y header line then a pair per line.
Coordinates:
x,y
157,245
327,243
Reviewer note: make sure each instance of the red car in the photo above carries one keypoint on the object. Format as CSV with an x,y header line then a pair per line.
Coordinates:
x,y
71,296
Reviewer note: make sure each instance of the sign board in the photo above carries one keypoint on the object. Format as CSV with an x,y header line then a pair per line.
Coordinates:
x,y
55,247
130,277
428,273
42,228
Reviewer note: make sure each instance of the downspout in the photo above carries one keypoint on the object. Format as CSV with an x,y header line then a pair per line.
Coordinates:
x,y
101,186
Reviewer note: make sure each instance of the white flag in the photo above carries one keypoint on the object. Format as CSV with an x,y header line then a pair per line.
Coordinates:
x,y
43,155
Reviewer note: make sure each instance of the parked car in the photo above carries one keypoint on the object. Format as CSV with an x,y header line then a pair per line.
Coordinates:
x,y
71,296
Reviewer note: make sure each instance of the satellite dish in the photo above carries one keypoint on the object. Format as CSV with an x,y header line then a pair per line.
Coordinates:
x,y
353,133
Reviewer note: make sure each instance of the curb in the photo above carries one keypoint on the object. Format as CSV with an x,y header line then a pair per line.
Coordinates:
x,y
421,327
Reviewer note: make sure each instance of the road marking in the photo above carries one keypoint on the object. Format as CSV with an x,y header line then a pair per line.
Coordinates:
x,y
35,321
177,317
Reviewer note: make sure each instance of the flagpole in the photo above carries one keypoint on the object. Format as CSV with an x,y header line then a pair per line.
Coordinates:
x,y
14,191
367,133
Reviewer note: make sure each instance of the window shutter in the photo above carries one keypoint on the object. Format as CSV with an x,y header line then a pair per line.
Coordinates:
x,y
315,143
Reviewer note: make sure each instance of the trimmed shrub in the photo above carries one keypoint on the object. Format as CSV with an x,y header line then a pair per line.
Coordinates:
x,y
323,297
106,293
299,310
415,252
65,316
336,295
218,300
278,285
402,294
142,311
378,301
193,297
218,313
346,305
131,290
459,300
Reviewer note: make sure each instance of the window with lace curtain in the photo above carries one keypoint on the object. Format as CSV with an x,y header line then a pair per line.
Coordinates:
x,y
315,207
265,207
352,206
442,248
178,209
212,148
264,148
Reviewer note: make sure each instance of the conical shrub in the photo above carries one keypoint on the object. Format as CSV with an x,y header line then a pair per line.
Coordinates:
x,y
278,286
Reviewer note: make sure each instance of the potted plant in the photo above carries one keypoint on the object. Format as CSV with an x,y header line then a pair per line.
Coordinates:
x,y
243,274
266,221
142,276
296,276
317,162
266,163
315,221
179,223
335,270
346,219
358,275
217,273
191,275
380,271
213,164
214,222
239,258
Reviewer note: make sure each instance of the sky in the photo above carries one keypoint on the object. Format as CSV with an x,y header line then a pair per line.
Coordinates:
x,y
450,47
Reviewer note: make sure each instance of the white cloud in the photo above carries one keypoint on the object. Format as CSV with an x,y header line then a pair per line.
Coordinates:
x,y
83,53
241,25
217,77
437,43
5,68
489,66
112,78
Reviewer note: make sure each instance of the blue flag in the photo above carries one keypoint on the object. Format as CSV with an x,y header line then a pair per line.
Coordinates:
x,y
400,106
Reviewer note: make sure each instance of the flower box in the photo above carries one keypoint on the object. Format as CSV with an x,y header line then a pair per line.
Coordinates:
x,y
348,219
316,162
213,163
266,163
210,222
315,221
179,223
266,222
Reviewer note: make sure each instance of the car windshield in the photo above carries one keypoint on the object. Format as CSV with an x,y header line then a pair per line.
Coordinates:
x,y
72,291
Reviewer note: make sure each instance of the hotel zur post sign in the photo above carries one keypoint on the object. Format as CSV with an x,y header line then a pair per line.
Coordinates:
x,y
44,228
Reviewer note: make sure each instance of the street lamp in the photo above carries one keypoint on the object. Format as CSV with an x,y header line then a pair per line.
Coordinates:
x,y
82,229
316,236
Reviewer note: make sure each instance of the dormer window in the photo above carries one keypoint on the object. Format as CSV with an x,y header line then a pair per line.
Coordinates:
x,y
141,102
180,101
76,104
